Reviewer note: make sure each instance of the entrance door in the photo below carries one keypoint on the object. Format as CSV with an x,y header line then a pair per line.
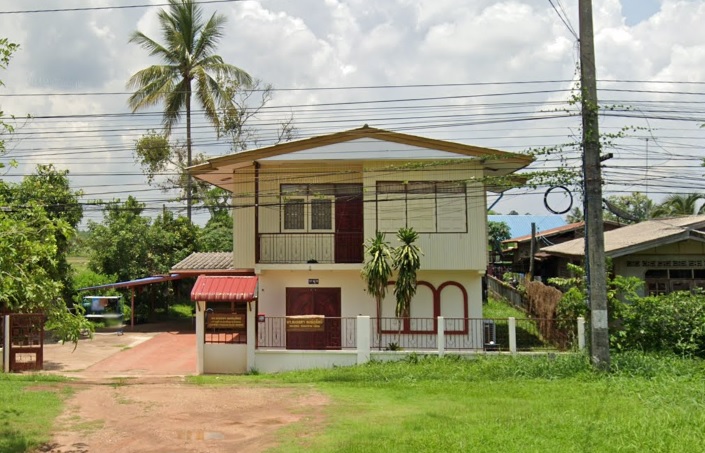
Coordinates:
x,y
315,301
348,226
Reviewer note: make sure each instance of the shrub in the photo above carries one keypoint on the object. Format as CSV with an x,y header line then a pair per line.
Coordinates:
x,y
673,322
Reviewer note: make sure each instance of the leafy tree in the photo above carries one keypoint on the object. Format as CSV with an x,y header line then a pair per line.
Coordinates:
x,y
7,48
377,271
171,239
51,189
575,215
129,246
406,259
676,205
119,246
633,208
497,232
188,56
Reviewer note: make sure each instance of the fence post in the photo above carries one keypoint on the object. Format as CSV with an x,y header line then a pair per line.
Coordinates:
x,y
200,336
362,337
441,339
251,336
581,333
512,326
6,345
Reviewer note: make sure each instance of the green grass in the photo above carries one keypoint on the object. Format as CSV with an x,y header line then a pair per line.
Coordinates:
x,y
501,403
495,309
28,406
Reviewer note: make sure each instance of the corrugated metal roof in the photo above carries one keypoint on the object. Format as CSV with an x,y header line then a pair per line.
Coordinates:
x,y
632,238
203,260
137,282
220,288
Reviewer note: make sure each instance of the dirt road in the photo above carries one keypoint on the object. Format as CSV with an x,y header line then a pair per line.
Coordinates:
x,y
131,396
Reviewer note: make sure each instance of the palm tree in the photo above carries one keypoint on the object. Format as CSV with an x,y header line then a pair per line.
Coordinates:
x,y
680,205
187,55
406,261
376,272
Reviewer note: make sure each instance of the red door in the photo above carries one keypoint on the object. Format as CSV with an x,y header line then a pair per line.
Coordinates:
x,y
349,241
315,301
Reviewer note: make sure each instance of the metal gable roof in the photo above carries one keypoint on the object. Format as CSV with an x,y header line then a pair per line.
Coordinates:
x,y
220,288
639,236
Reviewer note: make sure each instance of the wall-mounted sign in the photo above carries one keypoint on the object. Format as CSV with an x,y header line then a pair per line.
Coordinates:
x,y
305,323
226,321
312,281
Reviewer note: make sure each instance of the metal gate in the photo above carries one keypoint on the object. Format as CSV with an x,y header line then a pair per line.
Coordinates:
x,y
25,342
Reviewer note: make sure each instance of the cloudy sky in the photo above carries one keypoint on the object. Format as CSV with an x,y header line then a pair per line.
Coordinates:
x,y
484,72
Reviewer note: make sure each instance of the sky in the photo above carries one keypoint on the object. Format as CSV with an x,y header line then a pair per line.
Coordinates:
x,y
491,73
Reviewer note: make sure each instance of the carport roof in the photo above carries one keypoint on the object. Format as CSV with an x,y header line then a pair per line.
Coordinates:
x,y
221,288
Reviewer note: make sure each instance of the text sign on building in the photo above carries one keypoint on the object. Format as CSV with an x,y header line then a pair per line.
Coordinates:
x,y
314,323
230,321
312,281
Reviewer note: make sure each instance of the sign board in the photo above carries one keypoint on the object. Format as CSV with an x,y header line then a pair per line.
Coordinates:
x,y
312,281
306,323
229,321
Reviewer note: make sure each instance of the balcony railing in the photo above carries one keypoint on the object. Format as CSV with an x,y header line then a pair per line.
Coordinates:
x,y
324,248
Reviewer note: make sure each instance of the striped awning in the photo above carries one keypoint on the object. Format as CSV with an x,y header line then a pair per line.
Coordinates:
x,y
221,288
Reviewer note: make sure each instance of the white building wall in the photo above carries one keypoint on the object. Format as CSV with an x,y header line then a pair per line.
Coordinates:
x,y
356,301
225,358
448,251
244,219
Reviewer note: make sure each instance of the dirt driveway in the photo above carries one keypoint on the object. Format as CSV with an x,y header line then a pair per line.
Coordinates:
x,y
124,402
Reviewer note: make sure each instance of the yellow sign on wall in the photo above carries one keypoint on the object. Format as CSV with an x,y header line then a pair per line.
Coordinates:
x,y
306,323
229,321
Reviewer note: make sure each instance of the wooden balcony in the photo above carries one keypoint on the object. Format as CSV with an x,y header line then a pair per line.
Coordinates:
x,y
300,248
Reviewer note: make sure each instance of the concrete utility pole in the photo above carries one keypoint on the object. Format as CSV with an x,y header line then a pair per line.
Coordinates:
x,y
594,231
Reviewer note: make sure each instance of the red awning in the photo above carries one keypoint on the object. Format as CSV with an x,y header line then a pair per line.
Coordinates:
x,y
221,288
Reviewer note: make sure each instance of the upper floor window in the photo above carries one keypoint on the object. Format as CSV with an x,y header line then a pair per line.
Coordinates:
x,y
426,206
307,207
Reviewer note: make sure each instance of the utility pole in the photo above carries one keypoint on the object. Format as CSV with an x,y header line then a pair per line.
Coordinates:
x,y
592,179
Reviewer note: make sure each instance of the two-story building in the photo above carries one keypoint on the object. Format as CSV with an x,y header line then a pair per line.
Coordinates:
x,y
303,210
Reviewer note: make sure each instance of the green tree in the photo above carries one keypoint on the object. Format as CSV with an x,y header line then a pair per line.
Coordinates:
x,y
171,239
129,245
188,56
497,232
575,215
406,259
676,205
377,271
633,208
119,246
51,189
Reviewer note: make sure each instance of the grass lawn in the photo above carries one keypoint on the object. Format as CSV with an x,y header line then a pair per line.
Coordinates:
x,y
495,309
28,406
500,403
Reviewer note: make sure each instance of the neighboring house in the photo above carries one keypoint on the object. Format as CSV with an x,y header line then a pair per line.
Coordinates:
x,y
519,248
303,210
668,254
520,225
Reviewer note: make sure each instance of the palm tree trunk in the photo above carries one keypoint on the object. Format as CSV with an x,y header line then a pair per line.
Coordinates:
x,y
188,149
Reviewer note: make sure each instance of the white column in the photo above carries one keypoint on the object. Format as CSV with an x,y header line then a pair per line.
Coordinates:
x,y
441,336
251,335
6,345
362,336
512,325
581,333
200,335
